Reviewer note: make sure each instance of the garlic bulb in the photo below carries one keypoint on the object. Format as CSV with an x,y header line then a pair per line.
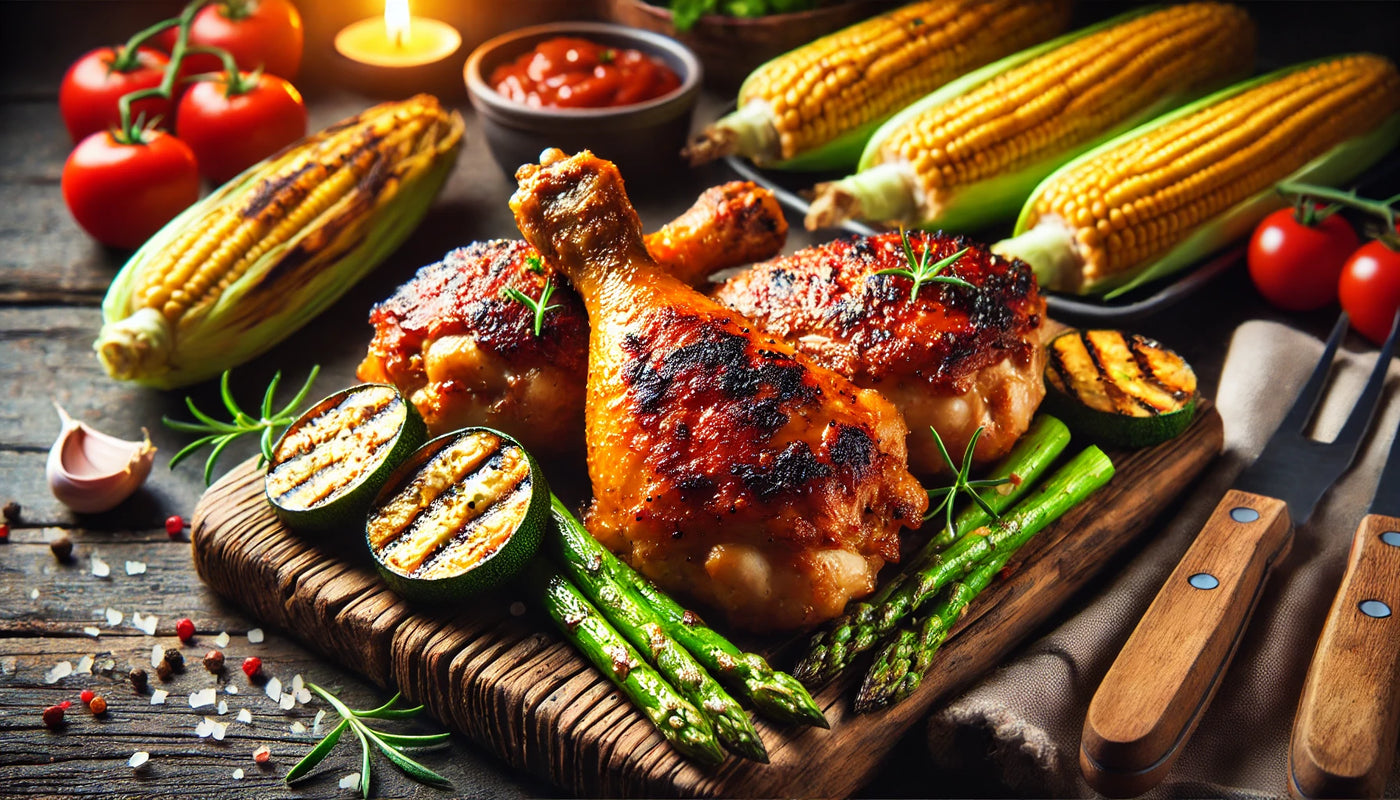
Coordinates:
x,y
90,471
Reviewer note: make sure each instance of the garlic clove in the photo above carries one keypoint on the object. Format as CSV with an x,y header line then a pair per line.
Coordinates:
x,y
90,471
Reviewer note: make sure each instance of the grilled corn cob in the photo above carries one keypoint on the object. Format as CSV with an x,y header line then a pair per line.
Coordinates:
x,y
814,107
1164,195
969,153
240,270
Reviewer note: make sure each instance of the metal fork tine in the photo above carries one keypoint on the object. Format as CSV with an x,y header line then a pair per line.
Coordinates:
x,y
1366,404
1308,398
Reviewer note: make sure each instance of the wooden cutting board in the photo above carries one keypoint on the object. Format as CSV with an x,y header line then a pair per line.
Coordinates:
x,y
497,671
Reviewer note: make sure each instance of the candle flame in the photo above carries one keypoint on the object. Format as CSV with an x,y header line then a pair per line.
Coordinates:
x,y
396,20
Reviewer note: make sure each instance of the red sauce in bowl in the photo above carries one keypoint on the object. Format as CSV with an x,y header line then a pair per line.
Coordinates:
x,y
567,72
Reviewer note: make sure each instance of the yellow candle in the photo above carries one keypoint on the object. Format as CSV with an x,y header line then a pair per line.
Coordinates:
x,y
397,39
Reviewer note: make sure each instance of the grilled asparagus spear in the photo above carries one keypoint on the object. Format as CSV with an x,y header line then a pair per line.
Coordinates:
x,y
855,631
582,559
679,721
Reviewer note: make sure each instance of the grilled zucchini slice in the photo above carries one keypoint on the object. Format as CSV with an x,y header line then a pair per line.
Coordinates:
x,y
330,463
460,516
1118,388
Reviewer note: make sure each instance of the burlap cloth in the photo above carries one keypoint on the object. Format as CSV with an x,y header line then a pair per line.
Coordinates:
x,y
1021,725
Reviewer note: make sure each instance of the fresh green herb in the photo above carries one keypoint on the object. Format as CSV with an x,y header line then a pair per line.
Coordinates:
x,y
391,745
607,56
219,433
920,271
538,306
534,264
960,481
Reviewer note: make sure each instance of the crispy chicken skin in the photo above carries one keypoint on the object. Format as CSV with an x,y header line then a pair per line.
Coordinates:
x,y
724,463
464,354
953,358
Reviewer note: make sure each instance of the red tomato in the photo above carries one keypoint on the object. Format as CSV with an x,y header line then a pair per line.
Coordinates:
x,y
259,33
229,133
1296,266
91,88
123,193
1370,289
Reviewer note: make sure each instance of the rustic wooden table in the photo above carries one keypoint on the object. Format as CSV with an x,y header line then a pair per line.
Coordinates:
x,y
52,280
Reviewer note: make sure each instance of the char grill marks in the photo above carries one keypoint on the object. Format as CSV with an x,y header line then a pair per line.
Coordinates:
x,y
734,411
463,295
830,303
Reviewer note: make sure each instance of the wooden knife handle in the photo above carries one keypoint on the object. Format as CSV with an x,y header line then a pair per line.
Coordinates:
x,y
1344,734
1163,679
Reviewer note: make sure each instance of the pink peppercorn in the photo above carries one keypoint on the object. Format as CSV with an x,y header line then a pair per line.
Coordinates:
x,y
252,667
174,526
185,630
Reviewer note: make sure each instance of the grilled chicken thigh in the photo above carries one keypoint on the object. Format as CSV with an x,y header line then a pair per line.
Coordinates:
x,y
724,462
954,358
465,354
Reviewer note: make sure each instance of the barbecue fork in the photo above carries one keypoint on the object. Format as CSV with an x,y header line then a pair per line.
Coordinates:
x,y
1169,669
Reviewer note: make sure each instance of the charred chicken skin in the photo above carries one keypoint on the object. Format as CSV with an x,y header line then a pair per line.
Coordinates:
x,y
465,354
954,358
725,463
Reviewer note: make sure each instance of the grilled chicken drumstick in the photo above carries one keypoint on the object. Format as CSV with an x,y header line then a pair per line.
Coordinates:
x,y
465,354
724,462
951,357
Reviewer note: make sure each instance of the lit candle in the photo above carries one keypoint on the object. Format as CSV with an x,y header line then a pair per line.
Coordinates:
x,y
397,40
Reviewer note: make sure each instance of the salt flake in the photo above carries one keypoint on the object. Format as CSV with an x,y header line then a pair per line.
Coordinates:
x,y
114,617
287,701
351,781
255,636
316,723
244,715
157,655
144,623
84,665
303,696
297,682
158,697
138,759
92,631
273,689
298,728
204,728
231,689
100,567
219,729
33,594
238,774
223,708
221,641
135,567
59,671
202,698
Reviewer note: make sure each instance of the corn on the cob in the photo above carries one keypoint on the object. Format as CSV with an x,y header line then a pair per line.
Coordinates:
x,y
969,153
240,270
814,107
1168,193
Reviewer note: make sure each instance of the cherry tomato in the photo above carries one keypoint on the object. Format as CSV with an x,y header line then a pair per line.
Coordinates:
x,y
91,88
1296,266
259,33
230,132
1370,289
123,193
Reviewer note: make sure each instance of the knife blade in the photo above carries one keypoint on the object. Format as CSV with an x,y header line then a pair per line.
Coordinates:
x,y
1348,717
1163,679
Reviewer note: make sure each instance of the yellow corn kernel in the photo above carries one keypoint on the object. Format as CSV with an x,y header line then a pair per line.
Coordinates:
x,y
1154,189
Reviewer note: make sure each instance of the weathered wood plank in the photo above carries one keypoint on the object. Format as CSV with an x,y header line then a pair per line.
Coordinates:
x,y
511,684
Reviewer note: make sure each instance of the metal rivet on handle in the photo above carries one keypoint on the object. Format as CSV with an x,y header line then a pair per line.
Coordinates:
x,y
1374,608
1203,580
1243,514
1391,538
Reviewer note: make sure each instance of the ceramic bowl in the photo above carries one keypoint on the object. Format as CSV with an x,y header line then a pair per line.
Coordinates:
x,y
643,139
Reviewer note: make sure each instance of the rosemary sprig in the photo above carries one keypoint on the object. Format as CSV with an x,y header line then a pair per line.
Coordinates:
x,y
920,271
219,433
392,745
540,306
960,481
